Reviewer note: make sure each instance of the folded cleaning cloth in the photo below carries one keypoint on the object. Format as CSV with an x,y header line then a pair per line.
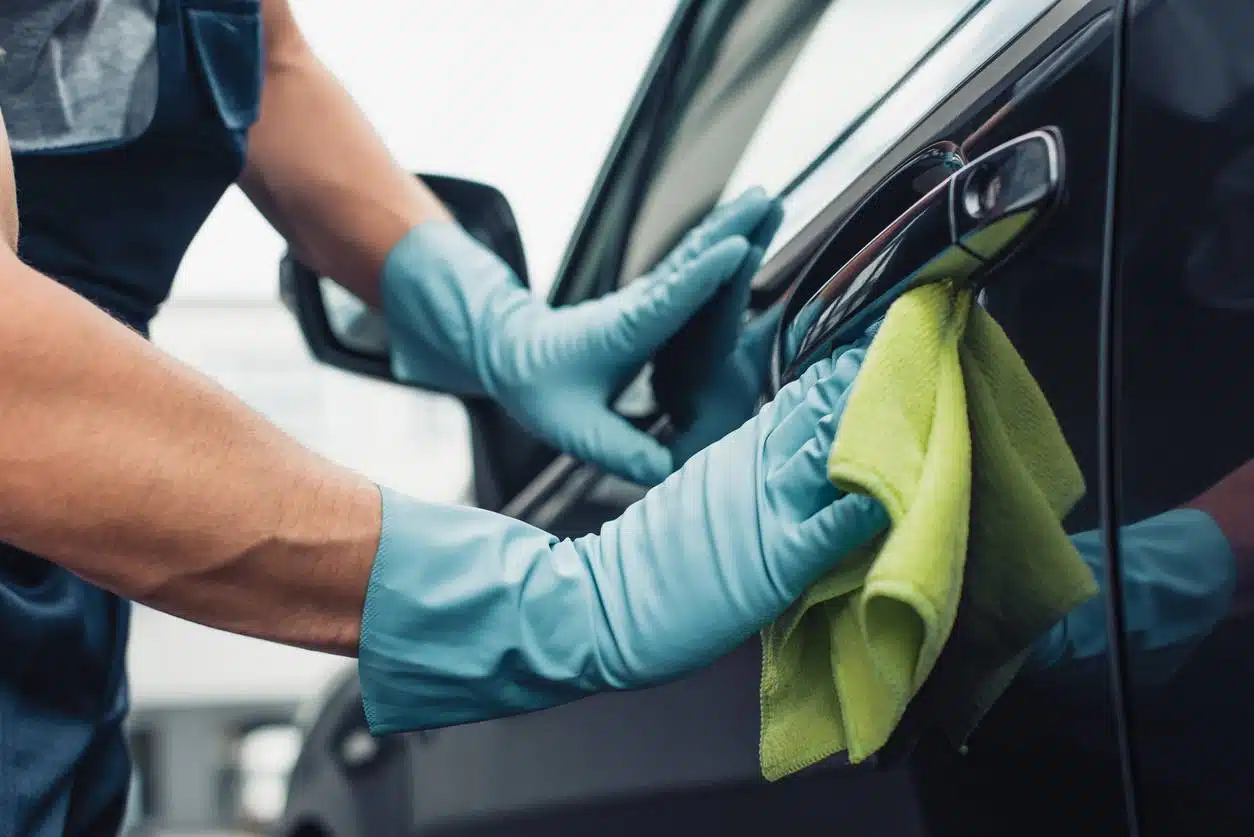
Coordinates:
x,y
947,428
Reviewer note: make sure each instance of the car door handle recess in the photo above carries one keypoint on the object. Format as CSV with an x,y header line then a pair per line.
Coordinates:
x,y
961,230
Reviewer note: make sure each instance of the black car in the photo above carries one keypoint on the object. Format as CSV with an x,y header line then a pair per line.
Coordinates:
x,y
1130,124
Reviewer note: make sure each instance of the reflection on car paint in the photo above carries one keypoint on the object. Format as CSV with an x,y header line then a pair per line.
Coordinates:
x,y
1185,423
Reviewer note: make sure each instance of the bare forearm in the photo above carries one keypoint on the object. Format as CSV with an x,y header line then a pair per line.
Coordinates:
x,y
139,475
318,171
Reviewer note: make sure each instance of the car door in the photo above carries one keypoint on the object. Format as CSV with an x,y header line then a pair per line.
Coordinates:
x,y
1183,412
1049,757
850,111
1054,736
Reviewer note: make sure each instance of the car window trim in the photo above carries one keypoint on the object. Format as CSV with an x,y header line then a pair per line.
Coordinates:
x,y
1109,413
648,112
1056,24
893,89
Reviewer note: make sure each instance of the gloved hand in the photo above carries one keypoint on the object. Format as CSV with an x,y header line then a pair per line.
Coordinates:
x,y
470,615
459,320
711,375
1178,575
729,393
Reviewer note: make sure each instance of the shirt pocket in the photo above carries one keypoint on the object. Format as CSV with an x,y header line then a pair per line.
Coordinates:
x,y
227,40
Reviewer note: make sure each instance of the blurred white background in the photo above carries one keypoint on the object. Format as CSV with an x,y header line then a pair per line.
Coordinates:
x,y
525,96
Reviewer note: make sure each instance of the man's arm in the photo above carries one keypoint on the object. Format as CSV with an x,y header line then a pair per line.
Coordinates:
x,y
1230,503
318,171
132,471
458,319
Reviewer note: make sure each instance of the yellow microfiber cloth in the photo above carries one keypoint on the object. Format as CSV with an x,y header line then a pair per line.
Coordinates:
x,y
947,428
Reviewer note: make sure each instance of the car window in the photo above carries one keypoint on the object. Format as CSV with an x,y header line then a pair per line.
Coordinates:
x,y
1185,428
975,40
857,51
774,60
794,76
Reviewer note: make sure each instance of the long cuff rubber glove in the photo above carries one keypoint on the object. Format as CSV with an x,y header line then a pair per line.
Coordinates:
x,y
1179,575
471,615
459,320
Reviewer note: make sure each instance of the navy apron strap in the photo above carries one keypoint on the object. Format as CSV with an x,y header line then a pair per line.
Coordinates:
x,y
112,222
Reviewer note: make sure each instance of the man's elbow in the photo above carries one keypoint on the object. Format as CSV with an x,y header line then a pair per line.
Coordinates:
x,y
8,192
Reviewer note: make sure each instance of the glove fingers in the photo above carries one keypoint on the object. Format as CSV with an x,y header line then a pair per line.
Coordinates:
x,y
759,334
740,217
766,228
715,421
788,398
802,483
826,539
713,332
758,342
744,216
609,441
729,307
687,364
656,307
826,396
839,528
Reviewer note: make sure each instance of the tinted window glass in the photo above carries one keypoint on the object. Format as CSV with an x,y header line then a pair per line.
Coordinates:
x,y
782,83
975,38
857,51
1186,416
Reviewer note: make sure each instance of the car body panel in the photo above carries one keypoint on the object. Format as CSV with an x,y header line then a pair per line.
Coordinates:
x,y
1049,759
1183,424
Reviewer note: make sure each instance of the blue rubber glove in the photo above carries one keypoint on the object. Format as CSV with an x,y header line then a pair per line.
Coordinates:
x,y
729,393
710,377
470,615
1179,576
459,320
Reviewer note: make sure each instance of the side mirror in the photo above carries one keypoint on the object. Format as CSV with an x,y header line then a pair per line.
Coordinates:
x,y
343,331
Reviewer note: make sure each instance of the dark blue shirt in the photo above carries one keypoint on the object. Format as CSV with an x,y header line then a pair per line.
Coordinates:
x,y
125,136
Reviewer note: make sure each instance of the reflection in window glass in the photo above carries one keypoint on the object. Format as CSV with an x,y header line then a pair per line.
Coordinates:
x,y
859,49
